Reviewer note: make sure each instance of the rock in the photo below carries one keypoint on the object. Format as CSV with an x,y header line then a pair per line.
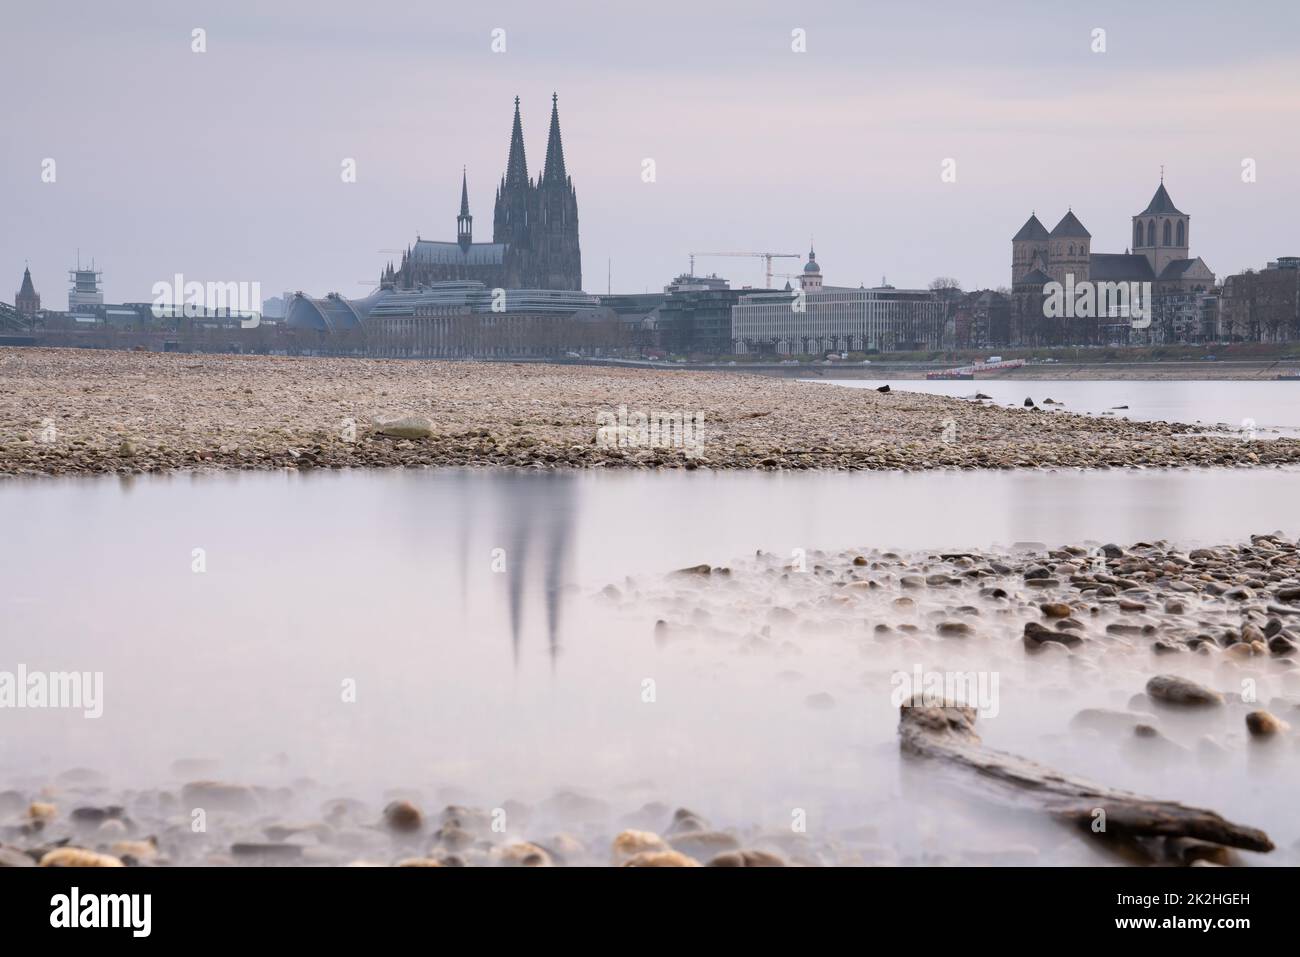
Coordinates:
x,y
1171,689
953,629
1055,609
453,838
661,859
266,852
1037,635
419,862
630,843
127,449
136,851
702,844
1029,403
1240,593
78,857
525,854
216,796
41,811
746,859
685,821
1280,644
13,857
403,817
1262,724
413,427
883,388
821,701
1106,719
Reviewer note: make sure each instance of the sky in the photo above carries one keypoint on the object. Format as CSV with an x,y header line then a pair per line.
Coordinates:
x,y
226,165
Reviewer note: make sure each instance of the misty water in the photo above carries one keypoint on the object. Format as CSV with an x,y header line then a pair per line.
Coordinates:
x,y
479,685
1270,408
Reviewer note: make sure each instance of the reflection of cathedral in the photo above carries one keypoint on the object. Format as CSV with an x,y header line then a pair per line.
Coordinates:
x,y
1159,255
534,230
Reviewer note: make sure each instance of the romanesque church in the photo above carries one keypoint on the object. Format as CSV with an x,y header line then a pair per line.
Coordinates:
x,y
534,230
1162,236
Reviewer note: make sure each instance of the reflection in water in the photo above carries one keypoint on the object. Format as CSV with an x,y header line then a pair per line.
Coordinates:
x,y
530,509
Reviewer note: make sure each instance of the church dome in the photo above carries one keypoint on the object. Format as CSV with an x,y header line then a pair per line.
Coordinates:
x,y
811,266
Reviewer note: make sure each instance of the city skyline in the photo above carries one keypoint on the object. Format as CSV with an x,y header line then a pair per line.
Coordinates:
x,y
755,146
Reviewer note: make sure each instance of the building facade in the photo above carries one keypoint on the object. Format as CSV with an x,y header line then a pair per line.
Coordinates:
x,y
534,229
817,318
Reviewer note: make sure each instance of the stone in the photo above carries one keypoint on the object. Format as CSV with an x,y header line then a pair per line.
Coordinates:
x,y
1262,724
525,854
1055,609
78,857
217,796
1174,690
412,427
630,843
661,859
746,858
403,817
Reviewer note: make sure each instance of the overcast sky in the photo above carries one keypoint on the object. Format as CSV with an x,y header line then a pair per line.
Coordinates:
x,y
225,165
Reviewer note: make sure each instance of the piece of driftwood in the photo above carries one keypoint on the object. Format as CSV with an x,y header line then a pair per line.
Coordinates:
x,y
1131,822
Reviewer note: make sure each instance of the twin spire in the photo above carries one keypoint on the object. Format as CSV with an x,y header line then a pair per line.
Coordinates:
x,y
553,173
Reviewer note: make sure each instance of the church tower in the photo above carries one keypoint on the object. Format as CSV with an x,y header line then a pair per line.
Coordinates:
x,y
1028,249
27,302
1068,250
556,253
510,217
1161,232
811,280
464,222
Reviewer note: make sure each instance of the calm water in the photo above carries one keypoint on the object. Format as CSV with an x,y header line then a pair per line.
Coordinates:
x,y
1274,407
481,684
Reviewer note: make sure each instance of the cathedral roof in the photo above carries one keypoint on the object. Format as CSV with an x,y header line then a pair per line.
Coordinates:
x,y
1161,203
427,252
28,289
1070,227
1119,267
1035,277
1176,268
1032,229
464,193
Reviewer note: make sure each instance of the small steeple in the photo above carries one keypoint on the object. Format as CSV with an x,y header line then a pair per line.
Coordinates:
x,y
554,173
464,222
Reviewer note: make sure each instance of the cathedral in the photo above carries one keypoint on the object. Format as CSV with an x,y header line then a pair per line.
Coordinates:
x,y
534,230
1162,236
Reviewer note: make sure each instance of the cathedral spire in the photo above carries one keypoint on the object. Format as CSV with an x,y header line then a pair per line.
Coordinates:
x,y
464,222
554,170
517,167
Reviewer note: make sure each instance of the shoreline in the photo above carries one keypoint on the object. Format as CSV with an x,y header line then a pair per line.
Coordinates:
x,y
85,412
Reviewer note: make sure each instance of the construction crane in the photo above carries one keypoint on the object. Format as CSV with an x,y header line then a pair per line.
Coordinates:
x,y
767,257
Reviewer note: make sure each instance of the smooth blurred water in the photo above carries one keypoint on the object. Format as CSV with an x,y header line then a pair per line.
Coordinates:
x,y
1271,408
520,681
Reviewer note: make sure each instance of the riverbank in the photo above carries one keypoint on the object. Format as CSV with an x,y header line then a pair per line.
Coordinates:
x,y
1198,371
68,412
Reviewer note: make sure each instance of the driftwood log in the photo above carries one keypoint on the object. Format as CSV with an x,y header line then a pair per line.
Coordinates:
x,y
1133,824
